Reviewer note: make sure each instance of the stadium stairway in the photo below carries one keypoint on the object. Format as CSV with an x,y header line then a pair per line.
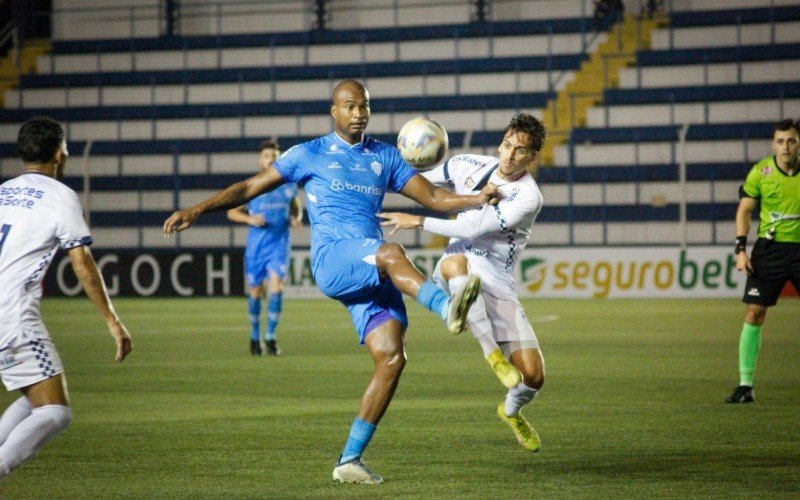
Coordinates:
x,y
596,74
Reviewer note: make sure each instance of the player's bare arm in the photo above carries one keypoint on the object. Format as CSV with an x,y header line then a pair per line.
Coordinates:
x,y
92,281
743,214
235,195
240,215
421,190
296,213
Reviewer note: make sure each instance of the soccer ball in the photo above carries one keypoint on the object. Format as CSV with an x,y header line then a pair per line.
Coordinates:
x,y
422,143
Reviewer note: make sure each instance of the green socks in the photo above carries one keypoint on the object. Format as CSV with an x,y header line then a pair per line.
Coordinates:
x,y
749,343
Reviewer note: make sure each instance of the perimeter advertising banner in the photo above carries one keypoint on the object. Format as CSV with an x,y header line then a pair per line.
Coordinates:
x,y
587,272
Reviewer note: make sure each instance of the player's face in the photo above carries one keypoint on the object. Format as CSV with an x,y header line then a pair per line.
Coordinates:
x,y
786,145
268,157
516,154
350,111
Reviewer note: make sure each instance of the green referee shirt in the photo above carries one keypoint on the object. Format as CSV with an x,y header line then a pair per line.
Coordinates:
x,y
779,197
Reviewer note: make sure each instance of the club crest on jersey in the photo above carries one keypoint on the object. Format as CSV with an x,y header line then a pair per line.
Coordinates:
x,y
469,183
513,194
376,167
766,170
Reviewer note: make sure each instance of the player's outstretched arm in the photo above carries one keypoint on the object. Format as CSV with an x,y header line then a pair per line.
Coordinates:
x,y
233,196
420,189
92,281
743,214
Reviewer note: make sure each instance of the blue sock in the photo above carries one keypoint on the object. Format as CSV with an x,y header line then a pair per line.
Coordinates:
x,y
433,298
254,312
274,306
360,434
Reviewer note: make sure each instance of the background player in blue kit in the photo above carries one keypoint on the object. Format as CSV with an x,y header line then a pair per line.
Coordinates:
x,y
266,256
345,175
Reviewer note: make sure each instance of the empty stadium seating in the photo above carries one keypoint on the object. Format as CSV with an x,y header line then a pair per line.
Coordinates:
x,y
169,120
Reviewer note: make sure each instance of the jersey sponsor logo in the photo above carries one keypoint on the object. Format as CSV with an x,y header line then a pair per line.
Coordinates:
x,y
335,164
339,185
469,182
333,148
376,167
472,160
357,168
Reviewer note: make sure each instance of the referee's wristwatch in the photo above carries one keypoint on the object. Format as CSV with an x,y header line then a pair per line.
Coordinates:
x,y
741,245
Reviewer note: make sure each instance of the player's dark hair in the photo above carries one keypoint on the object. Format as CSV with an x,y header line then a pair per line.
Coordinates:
x,y
39,139
532,126
787,124
269,144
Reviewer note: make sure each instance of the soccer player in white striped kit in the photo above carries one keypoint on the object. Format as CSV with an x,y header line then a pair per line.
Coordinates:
x,y
39,214
486,242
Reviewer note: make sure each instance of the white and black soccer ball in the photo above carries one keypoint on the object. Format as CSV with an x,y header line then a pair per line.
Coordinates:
x,y
422,143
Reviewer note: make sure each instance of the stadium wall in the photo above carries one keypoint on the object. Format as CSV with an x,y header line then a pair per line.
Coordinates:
x,y
586,272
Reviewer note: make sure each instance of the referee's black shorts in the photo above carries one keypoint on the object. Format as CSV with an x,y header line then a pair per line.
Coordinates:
x,y
774,264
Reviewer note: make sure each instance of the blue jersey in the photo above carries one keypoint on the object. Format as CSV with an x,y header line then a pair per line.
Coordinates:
x,y
344,184
274,206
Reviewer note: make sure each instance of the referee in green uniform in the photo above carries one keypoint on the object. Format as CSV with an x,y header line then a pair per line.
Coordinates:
x,y
774,184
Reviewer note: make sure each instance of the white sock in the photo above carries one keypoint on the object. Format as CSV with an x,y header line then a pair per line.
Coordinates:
x,y
18,411
479,323
31,434
517,397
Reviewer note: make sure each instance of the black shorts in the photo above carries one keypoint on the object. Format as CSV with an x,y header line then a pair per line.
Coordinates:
x,y
774,264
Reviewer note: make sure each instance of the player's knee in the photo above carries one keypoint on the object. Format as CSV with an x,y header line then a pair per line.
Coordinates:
x,y
454,265
534,381
392,362
755,315
60,416
390,253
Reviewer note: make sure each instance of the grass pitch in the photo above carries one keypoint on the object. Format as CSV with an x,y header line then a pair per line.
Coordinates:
x,y
632,407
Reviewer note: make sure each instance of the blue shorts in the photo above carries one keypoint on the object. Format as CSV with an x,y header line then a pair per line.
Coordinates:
x,y
261,260
345,270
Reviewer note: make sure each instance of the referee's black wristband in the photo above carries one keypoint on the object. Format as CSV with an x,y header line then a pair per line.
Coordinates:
x,y
741,245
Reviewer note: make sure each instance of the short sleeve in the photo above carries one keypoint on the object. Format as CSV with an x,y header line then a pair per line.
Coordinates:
x,y
400,172
752,185
71,230
290,164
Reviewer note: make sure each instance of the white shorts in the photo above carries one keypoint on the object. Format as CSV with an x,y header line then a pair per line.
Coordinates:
x,y
28,359
510,326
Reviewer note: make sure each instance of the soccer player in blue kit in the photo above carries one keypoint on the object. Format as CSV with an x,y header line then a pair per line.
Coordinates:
x,y
345,175
266,256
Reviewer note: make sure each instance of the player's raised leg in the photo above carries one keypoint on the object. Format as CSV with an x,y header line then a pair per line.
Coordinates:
x,y
386,344
453,270
28,425
393,263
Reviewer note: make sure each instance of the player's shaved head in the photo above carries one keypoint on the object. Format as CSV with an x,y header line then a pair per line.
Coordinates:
x,y
349,88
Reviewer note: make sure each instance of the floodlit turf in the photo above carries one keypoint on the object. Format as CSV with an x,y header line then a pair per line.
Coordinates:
x,y
633,406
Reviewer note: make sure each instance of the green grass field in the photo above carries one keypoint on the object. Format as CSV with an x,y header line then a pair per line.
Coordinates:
x,y
632,407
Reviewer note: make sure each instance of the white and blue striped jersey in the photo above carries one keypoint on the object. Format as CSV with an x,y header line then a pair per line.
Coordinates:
x,y
344,184
38,214
493,236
